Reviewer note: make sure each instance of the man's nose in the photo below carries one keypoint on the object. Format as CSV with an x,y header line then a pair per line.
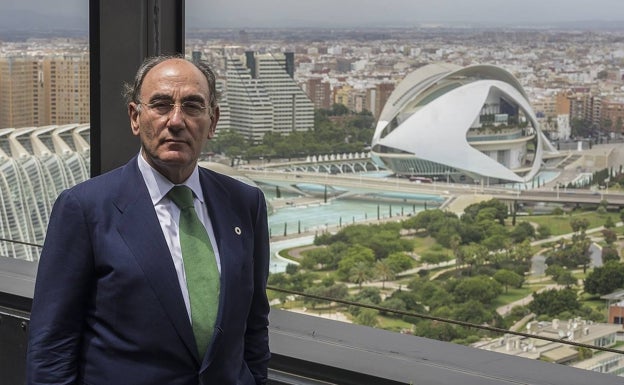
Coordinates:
x,y
176,116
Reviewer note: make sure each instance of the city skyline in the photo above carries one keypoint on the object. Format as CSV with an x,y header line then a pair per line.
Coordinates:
x,y
346,13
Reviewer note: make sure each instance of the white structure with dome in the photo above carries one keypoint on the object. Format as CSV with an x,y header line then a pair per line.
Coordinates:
x,y
460,124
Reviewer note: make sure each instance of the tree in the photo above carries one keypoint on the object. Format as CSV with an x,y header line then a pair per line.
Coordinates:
x,y
522,252
474,255
336,291
321,257
480,288
567,279
499,212
399,262
610,253
384,272
354,255
524,230
543,232
605,279
360,273
370,295
609,224
609,236
429,293
440,331
292,268
508,278
579,224
472,311
367,317
314,290
393,304
553,302
554,271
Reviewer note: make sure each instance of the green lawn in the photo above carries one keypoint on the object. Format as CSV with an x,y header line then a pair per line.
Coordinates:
x,y
513,294
560,224
392,324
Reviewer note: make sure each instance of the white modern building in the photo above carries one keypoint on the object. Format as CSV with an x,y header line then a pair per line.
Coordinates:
x,y
459,124
36,164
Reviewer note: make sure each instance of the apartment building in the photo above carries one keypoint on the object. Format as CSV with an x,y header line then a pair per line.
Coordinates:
x,y
38,90
264,97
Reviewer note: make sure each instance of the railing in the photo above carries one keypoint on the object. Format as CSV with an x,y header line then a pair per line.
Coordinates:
x,y
313,350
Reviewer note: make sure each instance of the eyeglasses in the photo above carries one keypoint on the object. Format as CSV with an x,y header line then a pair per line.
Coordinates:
x,y
189,108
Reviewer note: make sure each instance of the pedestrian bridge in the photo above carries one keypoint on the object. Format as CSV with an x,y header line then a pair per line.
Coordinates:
x,y
345,163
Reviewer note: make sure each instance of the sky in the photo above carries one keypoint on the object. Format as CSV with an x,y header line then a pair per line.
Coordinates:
x,y
373,13
402,12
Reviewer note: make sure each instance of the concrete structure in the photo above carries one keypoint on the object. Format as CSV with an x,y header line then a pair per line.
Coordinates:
x,y
464,124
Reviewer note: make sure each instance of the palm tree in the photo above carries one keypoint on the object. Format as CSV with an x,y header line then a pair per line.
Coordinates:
x,y
360,273
384,272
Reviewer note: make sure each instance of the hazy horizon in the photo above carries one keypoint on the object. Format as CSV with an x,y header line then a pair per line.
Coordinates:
x,y
39,14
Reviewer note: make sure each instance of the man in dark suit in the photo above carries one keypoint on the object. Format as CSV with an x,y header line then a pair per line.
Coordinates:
x,y
113,302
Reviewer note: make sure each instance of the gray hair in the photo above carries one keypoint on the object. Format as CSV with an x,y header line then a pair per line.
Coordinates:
x,y
132,91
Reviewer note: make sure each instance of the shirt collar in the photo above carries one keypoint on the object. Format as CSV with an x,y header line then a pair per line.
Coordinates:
x,y
158,186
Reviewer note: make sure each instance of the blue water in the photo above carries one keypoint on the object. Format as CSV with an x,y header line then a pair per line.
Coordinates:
x,y
336,212
318,217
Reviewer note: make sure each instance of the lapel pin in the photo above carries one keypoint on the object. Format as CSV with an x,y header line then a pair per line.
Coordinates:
x,y
237,230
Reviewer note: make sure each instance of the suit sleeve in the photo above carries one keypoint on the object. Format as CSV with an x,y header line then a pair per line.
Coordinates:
x,y
257,353
61,291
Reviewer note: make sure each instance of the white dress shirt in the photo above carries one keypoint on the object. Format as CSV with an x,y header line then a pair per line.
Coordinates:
x,y
169,217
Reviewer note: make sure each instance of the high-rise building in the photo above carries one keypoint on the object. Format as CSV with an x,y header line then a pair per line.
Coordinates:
x,y
378,96
319,92
42,90
66,87
251,110
21,88
263,96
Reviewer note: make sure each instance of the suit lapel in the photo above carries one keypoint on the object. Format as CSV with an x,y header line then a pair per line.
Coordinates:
x,y
140,229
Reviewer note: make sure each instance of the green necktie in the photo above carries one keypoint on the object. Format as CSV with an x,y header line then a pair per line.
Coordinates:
x,y
200,266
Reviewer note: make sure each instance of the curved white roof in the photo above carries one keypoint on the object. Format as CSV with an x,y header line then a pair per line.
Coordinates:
x,y
432,109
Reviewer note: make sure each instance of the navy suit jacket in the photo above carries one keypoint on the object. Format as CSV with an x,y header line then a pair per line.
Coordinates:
x,y
108,309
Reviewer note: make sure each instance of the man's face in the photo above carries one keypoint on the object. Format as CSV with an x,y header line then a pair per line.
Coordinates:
x,y
172,136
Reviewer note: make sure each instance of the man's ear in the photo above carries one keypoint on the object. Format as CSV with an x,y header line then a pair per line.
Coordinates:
x,y
213,122
133,113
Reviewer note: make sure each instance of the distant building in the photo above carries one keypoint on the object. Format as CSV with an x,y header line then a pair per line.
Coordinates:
x,y
553,115
378,96
66,89
319,92
263,96
612,115
41,90
585,332
465,124
21,91
615,307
